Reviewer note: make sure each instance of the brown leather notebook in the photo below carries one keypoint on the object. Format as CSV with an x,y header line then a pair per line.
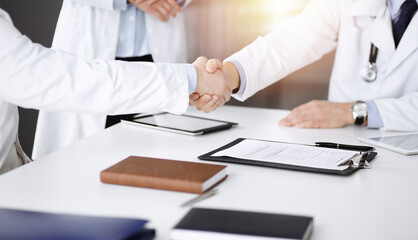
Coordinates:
x,y
164,174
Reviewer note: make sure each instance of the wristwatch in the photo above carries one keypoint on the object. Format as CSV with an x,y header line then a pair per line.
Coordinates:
x,y
359,111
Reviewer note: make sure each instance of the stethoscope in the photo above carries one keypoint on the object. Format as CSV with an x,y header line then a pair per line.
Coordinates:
x,y
369,72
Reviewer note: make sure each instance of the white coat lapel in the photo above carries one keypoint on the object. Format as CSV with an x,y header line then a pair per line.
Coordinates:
x,y
379,31
407,45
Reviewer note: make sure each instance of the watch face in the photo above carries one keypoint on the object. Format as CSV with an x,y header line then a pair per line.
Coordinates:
x,y
360,109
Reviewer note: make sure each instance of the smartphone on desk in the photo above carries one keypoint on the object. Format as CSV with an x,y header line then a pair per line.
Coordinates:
x,y
183,124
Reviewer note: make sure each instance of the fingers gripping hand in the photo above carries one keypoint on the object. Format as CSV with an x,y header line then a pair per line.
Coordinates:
x,y
162,9
213,84
174,5
166,8
214,65
209,102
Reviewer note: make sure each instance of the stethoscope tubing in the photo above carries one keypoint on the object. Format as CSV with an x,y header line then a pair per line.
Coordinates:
x,y
369,72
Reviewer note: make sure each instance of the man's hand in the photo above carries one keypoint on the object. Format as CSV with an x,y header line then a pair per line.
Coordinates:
x,y
162,9
206,103
209,103
319,114
211,84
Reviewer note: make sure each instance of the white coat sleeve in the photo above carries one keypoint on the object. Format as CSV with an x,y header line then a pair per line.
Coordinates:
x,y
103,4
33,76
399,114
294,44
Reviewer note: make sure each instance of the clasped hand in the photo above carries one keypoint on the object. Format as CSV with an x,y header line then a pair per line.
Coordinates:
x,y
213,88
162,9
216,81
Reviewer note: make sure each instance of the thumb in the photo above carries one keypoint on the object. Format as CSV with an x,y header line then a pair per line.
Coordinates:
x,y
194,96
213,65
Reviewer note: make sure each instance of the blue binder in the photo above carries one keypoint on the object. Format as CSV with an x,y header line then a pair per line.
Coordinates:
x,y
20,224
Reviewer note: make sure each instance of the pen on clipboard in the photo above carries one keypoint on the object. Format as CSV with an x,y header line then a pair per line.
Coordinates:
x,y
359,148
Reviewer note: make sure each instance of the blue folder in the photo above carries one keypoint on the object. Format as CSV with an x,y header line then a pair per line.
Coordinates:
x,y
19,224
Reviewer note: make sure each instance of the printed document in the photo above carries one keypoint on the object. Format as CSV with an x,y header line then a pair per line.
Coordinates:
x,y
290,154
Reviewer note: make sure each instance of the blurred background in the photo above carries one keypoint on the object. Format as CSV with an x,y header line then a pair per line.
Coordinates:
x,y
215,29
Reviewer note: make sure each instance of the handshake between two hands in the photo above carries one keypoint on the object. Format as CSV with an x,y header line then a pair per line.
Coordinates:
x,y
215,83
217,80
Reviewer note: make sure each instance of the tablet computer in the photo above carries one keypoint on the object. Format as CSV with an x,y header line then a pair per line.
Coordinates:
x,y
184,124
404,144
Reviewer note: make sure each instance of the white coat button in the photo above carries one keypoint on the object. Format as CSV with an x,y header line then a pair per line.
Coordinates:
x,y
156,51
151,31
131,18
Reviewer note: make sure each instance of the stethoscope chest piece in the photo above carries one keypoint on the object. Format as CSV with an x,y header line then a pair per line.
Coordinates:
x,y
369,72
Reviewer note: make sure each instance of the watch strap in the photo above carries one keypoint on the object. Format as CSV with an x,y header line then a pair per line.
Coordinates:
x,y
359,120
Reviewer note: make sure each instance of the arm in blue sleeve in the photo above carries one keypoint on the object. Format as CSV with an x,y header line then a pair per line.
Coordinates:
x,y
373,116
242,76
191,77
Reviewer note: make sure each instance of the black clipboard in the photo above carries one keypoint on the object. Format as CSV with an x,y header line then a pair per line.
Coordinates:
x,y
208,156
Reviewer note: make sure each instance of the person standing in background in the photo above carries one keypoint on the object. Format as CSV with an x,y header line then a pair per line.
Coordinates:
x,y
33,76
133,30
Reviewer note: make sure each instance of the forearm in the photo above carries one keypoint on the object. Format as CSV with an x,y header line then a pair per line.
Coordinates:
x,y
36,77
295,44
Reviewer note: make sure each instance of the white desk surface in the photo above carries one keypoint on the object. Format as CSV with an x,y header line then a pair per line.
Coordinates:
x,y
380,203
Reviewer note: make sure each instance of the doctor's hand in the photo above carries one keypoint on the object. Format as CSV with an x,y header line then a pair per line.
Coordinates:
x,y
212,88
208,103
162,9
319,114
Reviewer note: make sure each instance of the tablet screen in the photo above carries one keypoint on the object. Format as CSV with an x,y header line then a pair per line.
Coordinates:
x,y
180,122
408,142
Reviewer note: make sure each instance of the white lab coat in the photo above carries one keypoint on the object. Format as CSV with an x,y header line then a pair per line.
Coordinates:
x,y
349,26
32,76
89,28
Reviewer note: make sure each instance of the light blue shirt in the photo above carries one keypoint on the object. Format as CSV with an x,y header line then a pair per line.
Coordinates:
x,y
374,117
133,39
394,7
